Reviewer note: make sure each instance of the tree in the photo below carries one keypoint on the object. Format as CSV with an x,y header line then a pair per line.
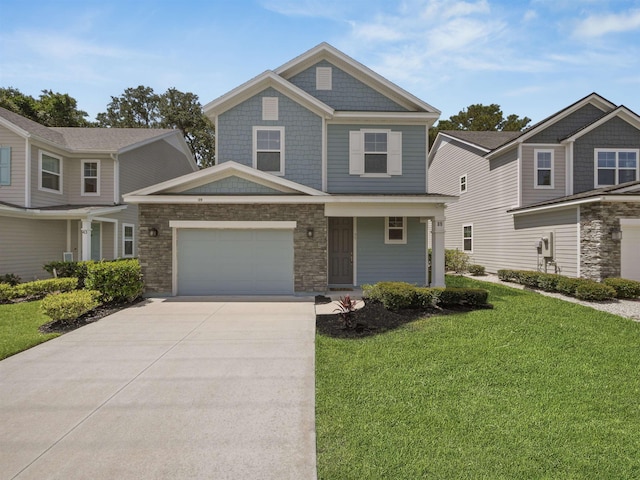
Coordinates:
x,y
141,107
480,117
51,109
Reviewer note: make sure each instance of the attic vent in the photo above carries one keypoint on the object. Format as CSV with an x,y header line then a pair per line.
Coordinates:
x,y
269,108
323,78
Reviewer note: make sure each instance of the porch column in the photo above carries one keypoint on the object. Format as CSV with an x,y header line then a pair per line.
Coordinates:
x,y
85,229
437,252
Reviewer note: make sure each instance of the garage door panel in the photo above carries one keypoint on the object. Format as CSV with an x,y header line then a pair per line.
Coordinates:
x,y
214,262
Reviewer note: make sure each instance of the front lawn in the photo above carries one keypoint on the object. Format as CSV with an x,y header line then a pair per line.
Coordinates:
x,y
19,323
535,388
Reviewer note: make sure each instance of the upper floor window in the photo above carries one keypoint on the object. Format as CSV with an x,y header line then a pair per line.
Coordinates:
x,y
268,149
543,168
463,183
395,230
467,238
5,166
50,172
616,166
90,177
127,240
323,78
375,153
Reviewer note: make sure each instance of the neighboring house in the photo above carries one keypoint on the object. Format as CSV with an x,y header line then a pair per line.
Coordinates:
x,y
61,190
562,196
321,182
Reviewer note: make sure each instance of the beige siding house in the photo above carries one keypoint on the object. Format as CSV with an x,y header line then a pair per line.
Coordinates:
x,y
563,196
61,190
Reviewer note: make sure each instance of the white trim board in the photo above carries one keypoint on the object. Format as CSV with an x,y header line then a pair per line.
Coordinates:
x,y
222,225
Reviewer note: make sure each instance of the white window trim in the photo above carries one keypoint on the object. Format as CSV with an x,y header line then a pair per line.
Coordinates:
x,y
82,186
389,241
324,80
132,239
255,148
535,168
617,150
471,237
270,108
464,180
40,187
364,153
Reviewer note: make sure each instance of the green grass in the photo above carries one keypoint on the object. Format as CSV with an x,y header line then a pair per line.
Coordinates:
x,y
19,324
536,388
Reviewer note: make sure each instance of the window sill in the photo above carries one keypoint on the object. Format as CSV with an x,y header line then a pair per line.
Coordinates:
x,y
375,175
48,190
543,187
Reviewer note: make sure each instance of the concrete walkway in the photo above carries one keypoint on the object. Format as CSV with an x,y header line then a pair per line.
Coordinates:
x,y
168,389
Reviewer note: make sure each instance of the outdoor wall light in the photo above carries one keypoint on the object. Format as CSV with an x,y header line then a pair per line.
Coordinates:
x,y
616,233
153,232
310,232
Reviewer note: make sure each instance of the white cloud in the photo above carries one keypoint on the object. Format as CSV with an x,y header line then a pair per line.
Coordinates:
x,y
600,25
530,15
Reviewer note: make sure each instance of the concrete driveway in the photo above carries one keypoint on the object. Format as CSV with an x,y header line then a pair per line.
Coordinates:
x,y
168,389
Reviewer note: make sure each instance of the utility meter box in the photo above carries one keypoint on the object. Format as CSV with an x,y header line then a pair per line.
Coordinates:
x,y
546,245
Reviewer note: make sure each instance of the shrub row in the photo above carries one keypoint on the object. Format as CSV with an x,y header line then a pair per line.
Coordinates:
x,y
10,278
401,295
581,288
36,290
70,305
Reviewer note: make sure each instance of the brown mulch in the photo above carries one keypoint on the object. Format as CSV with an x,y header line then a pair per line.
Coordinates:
x,y
372,319
90,317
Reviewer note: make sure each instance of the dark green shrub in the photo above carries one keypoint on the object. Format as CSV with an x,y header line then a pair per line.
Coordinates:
x,y
119,281
507,275
427,297
624,288
528,278
69,269
456,261
41,288
567,285
474,297
70,305
476,270
10,278
548,281
593,291
395,295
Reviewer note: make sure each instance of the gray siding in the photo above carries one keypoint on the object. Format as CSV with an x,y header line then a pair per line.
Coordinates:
x,y
40,198
414,154
347,92
616,133
151,164
530,194
26,245
568,125
378,262
14,193
73,182
303,136
232,186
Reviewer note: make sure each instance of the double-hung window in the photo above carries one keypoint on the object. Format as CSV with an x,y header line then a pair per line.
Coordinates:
x,y
268,149
375,153
5,166
395,230
463,184
50,172
467,238
615,166
543,168
127,240
90,177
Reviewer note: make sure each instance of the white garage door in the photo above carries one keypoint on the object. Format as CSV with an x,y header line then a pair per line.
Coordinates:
x,y
234,262
630,249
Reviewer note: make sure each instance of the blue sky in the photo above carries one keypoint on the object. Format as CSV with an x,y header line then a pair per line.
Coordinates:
x,y
531,57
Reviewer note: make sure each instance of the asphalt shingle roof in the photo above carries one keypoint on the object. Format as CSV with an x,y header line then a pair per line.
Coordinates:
x,y
488,140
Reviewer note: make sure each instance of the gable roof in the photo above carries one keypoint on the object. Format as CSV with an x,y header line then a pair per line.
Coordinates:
x,y
85,139
485,140
327,52
593,98
622,112
230,168
258,84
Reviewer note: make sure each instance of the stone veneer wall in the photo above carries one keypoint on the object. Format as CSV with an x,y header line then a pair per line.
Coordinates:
x,y
310,254
599,253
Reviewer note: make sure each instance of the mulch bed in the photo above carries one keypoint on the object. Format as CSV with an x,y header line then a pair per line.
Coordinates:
x,y
90,317
372,319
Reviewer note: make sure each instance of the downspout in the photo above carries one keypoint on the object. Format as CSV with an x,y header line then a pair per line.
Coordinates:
x,y
27,173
